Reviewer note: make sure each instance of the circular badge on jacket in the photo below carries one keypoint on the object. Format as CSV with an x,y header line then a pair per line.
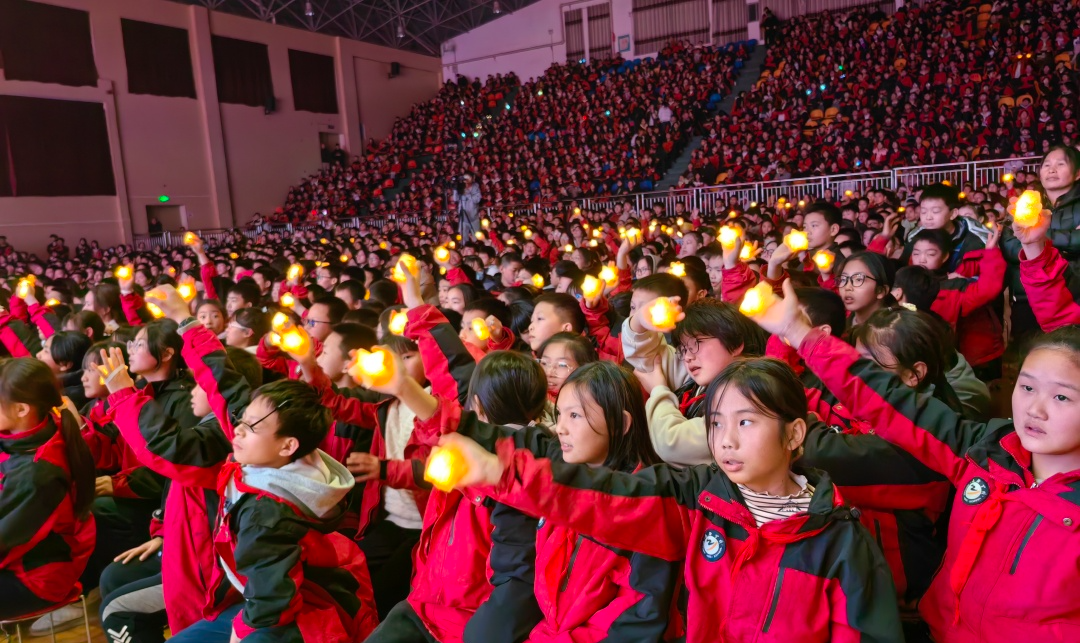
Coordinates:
x,y
713,545
976,491
540,524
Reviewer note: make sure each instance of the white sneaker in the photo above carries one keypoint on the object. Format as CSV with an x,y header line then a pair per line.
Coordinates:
x,y
62,619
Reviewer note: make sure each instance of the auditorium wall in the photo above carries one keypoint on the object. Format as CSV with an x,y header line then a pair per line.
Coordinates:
x,y
221,162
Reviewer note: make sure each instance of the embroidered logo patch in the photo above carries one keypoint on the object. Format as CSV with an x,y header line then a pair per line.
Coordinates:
x,y
976,491
540,524
713,545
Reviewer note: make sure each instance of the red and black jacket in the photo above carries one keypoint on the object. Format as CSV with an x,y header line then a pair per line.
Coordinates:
x,y
1011,566
815,576
471,551
966,305
587,591
302,581
130,478
190,457
42,542
351,408
1052,287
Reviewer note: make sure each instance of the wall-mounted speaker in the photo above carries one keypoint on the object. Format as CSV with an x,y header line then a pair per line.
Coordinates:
x,y
270,106
395,69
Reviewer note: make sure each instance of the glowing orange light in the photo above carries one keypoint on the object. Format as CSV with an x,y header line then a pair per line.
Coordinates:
x,y
757,299
398,320
344,258
824,259
445,468
729,236
287,300
295,272
591,286
610,275
480,328
52,302
538,280
123,272
190,238
376,367
678,269
662,314
186,291
280,322
1028,209
23,290
797,241
407,262
442,254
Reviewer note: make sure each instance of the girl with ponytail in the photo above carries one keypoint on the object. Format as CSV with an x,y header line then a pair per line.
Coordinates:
x,y
46,489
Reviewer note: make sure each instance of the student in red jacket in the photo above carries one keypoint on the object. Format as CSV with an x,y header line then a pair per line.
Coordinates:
x,y
46,489
1052,285
1011,566
560,356
279,495
965,298
768,553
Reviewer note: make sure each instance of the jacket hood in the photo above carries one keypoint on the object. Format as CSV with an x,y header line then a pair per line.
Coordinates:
x,y
316,483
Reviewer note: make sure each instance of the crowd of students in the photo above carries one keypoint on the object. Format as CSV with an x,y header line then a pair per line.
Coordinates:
x,y
934,83
650,457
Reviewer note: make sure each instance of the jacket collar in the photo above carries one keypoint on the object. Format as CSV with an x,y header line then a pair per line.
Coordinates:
x,y
28,441
722,497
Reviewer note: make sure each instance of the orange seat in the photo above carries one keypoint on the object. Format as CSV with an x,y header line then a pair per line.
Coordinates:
x,y
831,112
817,115
899,64
1022,97
1006,100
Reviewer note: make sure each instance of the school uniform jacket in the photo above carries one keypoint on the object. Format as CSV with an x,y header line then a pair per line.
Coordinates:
x,y
587,591
966,305
1053,288
190,457
1011,567
608,346
130,478
815,576
42,542
348,408
17,339
471,550
302,581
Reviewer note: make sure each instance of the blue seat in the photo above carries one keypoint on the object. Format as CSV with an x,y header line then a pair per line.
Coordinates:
x,y
715,98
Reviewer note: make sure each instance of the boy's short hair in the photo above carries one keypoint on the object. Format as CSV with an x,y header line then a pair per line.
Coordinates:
x,y
947,193
247,290
384,291
510,257
354,336
663,284
710,317
823,307
335,308
368,317
828,211
300,413
919,286
246,364
255,320
566,307
489,306
355,288
938,238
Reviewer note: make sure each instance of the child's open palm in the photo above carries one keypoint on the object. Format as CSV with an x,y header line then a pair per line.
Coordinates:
x,y
114,370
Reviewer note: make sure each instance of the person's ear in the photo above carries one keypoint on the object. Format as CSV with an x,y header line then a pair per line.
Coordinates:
x,y
22,409
914,375
289,446
167,355
738,351
834,230
826,328
627,422
64,366
567,328
796,435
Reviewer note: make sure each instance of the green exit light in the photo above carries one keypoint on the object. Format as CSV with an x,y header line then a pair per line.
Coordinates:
x,y
164,198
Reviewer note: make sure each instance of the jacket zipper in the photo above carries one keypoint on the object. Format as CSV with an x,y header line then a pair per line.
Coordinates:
x,y
1024,542
453,528
775,601
570,567
877,534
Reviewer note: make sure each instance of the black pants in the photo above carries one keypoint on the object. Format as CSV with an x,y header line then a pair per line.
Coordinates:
x,y
122,524
401,625
18,600
388,549
133,602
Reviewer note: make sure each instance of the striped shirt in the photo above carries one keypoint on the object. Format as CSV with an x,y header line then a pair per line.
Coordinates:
x,y
766,507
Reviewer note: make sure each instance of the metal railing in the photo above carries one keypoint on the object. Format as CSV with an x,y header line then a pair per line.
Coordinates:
x,y
706,199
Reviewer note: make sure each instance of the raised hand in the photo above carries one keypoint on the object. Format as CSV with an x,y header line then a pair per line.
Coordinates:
x,y
481,467
114,371
784,318
170,302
